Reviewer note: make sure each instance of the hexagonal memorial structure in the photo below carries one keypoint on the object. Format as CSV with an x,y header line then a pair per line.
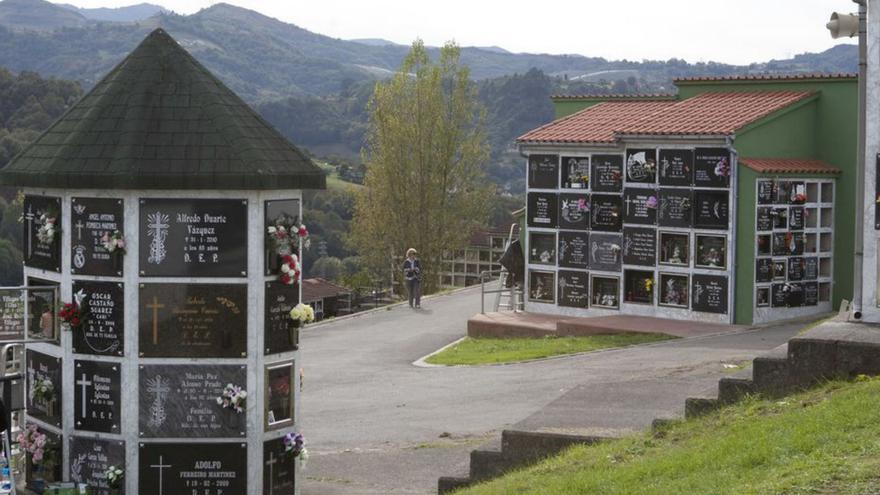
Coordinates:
x,y
149,205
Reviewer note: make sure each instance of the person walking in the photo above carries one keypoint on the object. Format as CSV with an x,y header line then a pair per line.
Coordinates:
x,y
412,272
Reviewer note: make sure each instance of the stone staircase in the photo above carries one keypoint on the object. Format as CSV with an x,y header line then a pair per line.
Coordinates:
x,y
834,349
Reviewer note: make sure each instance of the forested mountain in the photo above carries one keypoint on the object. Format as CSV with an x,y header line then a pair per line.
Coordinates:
x,y
129,13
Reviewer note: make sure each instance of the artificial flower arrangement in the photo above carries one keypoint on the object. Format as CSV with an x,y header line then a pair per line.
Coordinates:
x,y
285,235
114,242
48,231
649,284
34,442
74,314
291,269
302,314
722,168
43,388
233,397
114,476
583,204
651,203
295,446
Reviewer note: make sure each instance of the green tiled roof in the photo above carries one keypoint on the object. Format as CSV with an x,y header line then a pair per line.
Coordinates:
x,y
160,120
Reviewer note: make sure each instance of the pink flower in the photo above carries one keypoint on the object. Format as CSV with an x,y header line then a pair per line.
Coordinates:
x,y
120,243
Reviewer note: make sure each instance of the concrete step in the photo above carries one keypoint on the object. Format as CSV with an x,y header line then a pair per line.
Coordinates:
x,y
488,464
526,447
731,389
695,407
448,484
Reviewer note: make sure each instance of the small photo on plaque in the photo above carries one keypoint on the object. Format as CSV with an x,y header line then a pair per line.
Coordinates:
x,y
543,210
543,171
573,289
541,285
575,172
574,211
676,167
762,297
641,165
711,252
674,290
280,385
638,286
542,248
763,245
574,249
605,292
674,248
607,173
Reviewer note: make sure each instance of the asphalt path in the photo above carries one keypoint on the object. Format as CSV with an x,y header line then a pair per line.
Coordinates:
x,y
377,424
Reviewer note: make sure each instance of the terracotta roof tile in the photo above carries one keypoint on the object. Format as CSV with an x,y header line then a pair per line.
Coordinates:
x,y
616,96
767,77
788,166
595,124
317,288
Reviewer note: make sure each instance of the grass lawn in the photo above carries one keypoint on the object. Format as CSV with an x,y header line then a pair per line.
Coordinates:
x,y
491,351
825,441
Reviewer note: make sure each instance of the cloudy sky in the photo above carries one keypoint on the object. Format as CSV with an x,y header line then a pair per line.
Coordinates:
x,y
733,31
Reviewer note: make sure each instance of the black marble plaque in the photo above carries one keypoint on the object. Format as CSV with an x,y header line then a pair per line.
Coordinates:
x,y
12,314
711,167
780,269
193,237
280,336
781,243
44,371
674,290
90,220
711,251
640,206
279,468
543,171
573,289
676,167
765,192
96,403
796,268
180,400
542,248
709,293
103,330
811,268
641,165
795,295
193,320
574,211
574,249
541,285
780,218
542,210
37,210
606,252
763,270
607,173
285,211
192,468
639,246
811,293
796,218
763,244
638,286
764,221
675,248
575,172
780,191
605,213
89,460
675,208
605,292
711,210
779,295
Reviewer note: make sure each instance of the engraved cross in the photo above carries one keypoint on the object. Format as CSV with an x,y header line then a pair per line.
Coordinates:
x,y
161,466
85,384
155,306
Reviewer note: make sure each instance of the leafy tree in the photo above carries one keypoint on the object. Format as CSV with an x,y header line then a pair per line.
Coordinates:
x,y
328,267
425,155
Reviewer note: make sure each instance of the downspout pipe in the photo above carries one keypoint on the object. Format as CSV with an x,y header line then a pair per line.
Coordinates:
x,y
858,260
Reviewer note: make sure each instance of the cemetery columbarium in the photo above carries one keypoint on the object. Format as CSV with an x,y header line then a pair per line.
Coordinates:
x,y
730,202
147,205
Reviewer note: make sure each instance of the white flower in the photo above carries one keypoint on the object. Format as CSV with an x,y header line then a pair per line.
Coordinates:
x,y
219,401
285,268
272,230
243,394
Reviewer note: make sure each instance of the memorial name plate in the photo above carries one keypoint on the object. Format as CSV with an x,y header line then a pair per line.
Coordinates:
x,y
712,210
12,314
90,220
279,468
606,213
811,268
796,268
193,237
96,401
779,295
607,173
574,249
605,252
764,220
542,210
796,245
542,248
796,218
709,293
781,243
811,293
192,468
541,286
279,332
763,270
640,206
641,165
676,167
639,246
638,286
284,212
543,171
89,460
575,172
42,246
574,289
574,211
675,208
795,295
711,167
181,401
44,387
193,320
765,192
103,330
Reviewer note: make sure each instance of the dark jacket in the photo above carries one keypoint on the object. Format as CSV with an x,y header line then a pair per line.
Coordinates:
x,y
512,260
412,269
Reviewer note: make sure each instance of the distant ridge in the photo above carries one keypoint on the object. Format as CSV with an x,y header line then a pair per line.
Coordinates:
x,y
38,15
130,13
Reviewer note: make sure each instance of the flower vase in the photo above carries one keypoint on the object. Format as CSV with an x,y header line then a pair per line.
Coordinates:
x,y
35,480
114,491
295,325
232,421
117,261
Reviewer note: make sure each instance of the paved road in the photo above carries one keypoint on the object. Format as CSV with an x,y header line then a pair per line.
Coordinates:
x,y
376,424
